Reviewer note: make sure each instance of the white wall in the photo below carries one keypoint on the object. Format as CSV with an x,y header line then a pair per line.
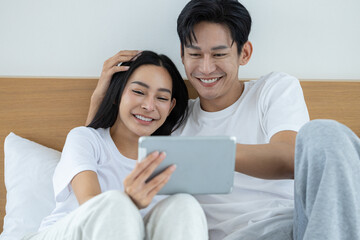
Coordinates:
x,y
311,39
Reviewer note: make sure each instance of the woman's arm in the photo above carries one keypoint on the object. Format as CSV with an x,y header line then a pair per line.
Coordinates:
x,y
109,68
85,186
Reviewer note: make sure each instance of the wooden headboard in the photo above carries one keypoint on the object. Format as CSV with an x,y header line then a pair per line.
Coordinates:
x,y
45,109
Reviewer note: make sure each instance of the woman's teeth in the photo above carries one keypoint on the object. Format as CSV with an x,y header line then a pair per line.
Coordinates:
x,y
209,80
143,118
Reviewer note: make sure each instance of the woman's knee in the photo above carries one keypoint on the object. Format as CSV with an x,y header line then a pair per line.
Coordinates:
x,y
179,216
180,207
114,196
114,203
186,203
111,210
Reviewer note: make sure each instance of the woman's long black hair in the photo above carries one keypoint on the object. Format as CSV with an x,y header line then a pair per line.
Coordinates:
x,y
109,108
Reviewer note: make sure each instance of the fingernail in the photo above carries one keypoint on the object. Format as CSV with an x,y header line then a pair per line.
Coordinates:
x,y
173,167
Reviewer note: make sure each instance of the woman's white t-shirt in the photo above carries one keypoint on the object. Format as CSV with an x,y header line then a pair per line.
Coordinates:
x,y
269,105
89,149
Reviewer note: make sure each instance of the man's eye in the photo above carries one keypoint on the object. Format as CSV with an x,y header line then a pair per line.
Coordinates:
x,y
138,92
163,99
219,54
194,54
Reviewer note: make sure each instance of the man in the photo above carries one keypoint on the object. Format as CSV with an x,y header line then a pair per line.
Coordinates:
x,y
265,116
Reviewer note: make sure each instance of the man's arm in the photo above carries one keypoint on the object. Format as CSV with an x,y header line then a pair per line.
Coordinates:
x,y
109,68
274,160
95,101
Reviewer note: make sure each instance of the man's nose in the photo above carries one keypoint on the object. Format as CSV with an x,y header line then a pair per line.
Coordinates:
x,y
207,65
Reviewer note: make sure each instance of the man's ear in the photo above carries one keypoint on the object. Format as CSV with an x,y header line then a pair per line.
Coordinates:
x,y
173,103
245,54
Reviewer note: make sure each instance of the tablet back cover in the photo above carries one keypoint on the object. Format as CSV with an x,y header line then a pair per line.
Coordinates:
x,y
205,165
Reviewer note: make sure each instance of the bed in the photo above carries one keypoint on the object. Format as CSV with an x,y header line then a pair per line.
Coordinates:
x,y
43,110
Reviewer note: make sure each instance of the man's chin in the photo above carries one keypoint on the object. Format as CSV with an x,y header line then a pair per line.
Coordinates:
x,y
207,94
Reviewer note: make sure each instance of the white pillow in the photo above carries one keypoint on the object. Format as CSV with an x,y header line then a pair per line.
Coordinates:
x,y
29,168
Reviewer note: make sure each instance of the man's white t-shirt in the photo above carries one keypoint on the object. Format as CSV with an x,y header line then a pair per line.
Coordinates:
x,y
89,149
269,105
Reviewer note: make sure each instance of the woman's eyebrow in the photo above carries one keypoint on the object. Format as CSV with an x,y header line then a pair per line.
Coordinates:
x,y
147,86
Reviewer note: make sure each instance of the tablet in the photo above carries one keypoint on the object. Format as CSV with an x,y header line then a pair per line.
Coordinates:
x,y
204,165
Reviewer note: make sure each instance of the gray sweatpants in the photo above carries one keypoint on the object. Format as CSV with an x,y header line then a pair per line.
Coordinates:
x,y
327,182
112,215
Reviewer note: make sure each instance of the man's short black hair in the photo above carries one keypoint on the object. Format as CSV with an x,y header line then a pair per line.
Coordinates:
x,y
229,13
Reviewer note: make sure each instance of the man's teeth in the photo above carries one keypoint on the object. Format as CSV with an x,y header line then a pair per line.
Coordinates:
x,y
209,80
143,118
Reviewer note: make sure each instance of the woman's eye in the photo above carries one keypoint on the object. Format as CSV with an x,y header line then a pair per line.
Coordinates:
x,y
138,92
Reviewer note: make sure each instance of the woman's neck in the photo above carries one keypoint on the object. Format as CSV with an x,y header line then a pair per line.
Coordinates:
x,y
126,144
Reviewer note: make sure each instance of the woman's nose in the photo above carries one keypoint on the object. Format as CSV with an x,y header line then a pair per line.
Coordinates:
x,y
148,104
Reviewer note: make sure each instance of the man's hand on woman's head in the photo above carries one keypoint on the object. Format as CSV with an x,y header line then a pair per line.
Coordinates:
x,y
111,66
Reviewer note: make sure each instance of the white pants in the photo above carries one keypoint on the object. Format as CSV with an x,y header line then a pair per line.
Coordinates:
x,y
113,215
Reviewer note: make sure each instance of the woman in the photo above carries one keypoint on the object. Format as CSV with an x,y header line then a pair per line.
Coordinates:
x,y
100,189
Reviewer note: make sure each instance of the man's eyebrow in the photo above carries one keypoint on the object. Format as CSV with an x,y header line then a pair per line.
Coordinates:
x,y
192,47
147,86
220,47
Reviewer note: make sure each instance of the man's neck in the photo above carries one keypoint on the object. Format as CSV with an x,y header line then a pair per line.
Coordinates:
x,y
222,102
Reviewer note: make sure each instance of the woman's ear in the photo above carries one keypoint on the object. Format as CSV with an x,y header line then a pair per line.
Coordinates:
x,y
173,103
